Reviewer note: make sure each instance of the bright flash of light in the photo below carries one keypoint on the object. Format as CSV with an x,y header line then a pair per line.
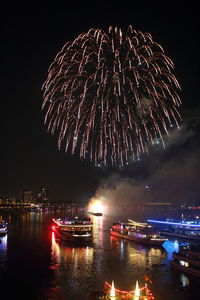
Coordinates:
x,y
96,205
112,292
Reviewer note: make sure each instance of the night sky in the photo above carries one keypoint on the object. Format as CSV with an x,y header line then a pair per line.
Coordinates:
x,y
30,39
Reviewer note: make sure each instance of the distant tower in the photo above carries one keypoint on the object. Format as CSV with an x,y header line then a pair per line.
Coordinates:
x,y
44,194
28,196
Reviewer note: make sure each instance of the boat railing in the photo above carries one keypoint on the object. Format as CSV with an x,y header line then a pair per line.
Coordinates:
x,y
190,260
189,253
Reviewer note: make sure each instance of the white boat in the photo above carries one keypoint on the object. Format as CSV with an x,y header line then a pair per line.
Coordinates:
x,y
182,229
3,228
73,229
137,232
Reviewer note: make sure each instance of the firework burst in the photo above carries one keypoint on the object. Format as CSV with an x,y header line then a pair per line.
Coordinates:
x,y
110,95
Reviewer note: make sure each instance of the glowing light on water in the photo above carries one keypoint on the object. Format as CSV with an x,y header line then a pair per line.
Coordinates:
x,y
3,243
96,205
55,247
187,224
137,291
184,280
171,247
112,292
176,246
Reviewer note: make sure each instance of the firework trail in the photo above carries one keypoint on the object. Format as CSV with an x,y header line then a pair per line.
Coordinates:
x,y
109,96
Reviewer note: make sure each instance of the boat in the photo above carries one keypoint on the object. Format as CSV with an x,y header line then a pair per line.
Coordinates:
x,y
183,229
138,293
3,228
137,232
73,229
110,292
187,260
95,213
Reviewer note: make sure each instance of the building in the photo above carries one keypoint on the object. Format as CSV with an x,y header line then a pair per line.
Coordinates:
x,y
42,196
8,201
27,197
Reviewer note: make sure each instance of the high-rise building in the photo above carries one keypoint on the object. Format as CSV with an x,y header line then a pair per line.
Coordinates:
x,y
44,194
39,197
27,196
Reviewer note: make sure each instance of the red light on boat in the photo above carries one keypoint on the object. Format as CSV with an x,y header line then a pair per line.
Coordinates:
x,y
53,227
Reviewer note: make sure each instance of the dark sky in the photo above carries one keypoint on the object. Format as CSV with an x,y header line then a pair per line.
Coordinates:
x,y
31,36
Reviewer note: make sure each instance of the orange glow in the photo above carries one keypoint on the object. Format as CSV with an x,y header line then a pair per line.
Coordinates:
x,y
96,205
138,293
137,290
55,247
112,292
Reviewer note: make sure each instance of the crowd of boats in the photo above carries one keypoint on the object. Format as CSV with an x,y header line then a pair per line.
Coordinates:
x,y
152,232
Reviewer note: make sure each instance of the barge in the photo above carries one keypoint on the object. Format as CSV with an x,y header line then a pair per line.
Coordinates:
x,y
137,232
73,229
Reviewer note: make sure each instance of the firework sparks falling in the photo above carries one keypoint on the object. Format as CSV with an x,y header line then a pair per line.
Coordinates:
x,y
110,95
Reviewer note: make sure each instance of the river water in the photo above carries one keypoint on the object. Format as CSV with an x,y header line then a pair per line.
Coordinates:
x,y
36,266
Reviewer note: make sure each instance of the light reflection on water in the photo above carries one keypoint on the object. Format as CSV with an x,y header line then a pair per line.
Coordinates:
x,y
3,244
171,246
63,271
3,254
74,256
184,280
71,264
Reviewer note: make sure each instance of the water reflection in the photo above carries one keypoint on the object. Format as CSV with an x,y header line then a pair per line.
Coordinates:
x,y
3,243
97,229
63,271
138,260
80,255
118,246
184,280
55,249
3,250
3,254
144,257
71,264
137,253
171,246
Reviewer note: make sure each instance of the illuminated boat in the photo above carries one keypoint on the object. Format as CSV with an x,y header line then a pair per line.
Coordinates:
x,y
137,232
183,229
73,229
187,260
110,292
3,228
138,293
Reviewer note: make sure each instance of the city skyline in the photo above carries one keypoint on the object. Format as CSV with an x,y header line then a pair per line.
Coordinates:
x,y
32,36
